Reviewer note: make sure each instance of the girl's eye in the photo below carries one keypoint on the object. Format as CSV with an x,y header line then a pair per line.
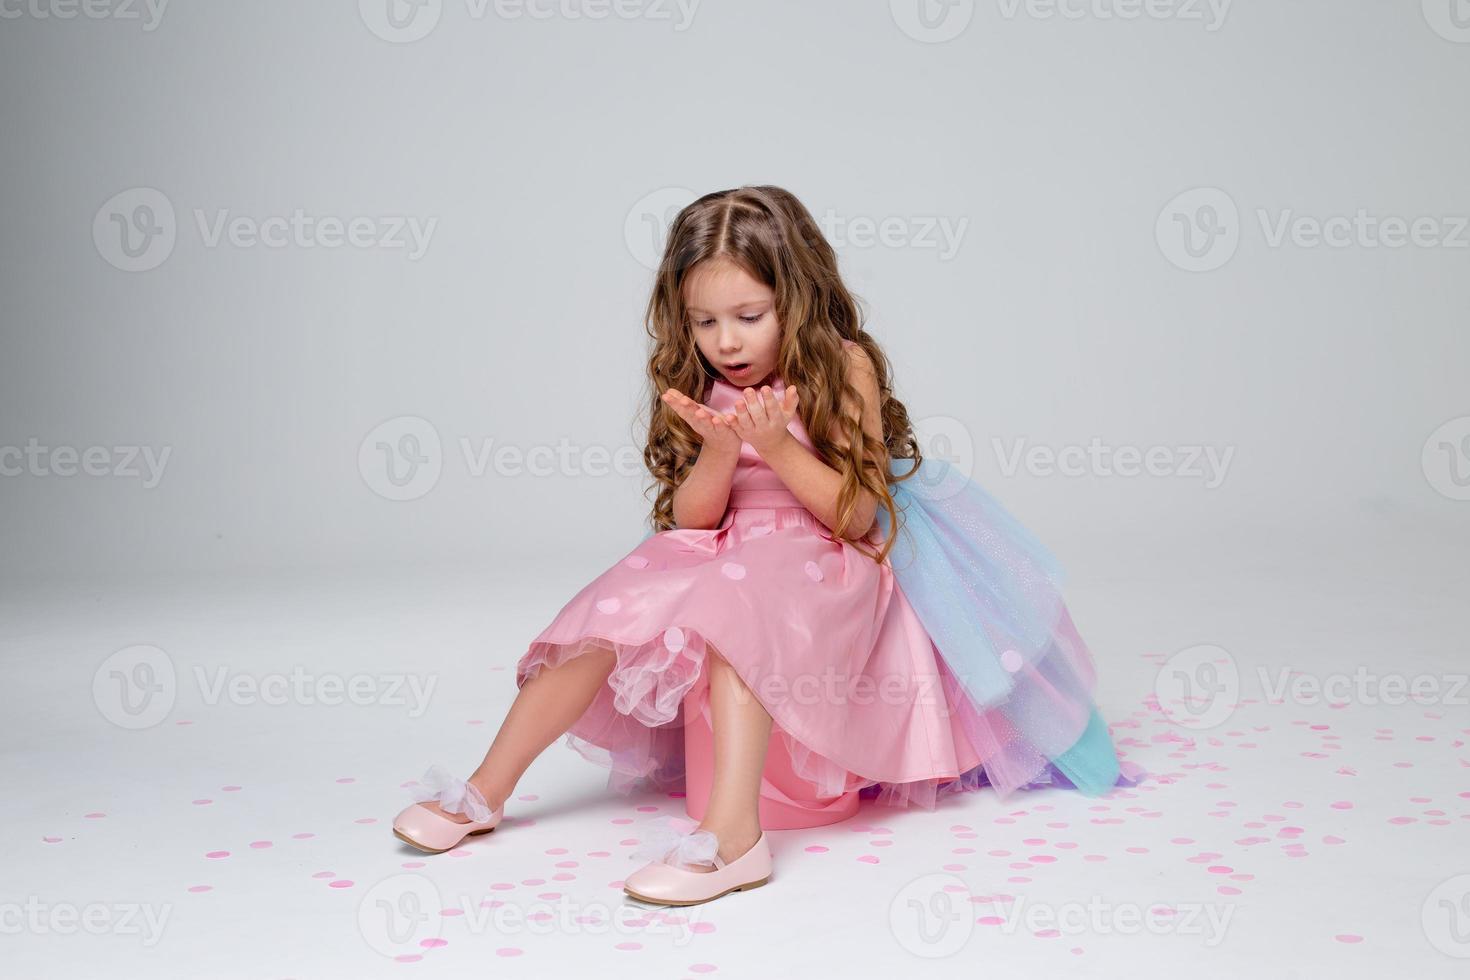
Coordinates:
x,y
744,319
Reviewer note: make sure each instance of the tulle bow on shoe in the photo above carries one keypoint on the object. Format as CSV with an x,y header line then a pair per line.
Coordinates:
x,y
453,794
672,842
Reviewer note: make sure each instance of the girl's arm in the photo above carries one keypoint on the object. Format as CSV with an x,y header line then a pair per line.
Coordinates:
x,y
815,483
700,501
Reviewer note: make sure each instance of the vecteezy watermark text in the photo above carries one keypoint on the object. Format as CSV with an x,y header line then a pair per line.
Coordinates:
x,y
149,12
136,230
40,918
35,459
137,687
404,914
406,21
1096,459
1201,230
403,458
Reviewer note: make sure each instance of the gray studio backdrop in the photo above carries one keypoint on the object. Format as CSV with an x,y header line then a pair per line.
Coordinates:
x,y
293,283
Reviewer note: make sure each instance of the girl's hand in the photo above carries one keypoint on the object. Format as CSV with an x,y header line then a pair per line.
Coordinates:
x,y
713,428
761,418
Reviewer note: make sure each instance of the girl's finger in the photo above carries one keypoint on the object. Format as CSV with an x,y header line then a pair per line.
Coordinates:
x,y
754,404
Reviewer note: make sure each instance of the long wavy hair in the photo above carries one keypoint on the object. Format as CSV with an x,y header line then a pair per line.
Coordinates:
x,y
771,235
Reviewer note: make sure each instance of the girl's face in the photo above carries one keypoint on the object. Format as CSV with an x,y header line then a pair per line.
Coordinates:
x,y
733,319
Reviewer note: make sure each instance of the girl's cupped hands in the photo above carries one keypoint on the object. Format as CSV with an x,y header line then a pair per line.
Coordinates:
x,y
760,418
713,429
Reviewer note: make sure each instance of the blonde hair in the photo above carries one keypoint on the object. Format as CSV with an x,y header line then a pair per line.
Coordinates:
x,y
769,233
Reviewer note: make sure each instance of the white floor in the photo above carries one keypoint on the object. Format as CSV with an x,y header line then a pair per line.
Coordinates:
x,y
202,832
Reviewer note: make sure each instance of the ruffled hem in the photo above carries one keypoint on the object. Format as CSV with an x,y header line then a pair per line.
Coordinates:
x,y
634,726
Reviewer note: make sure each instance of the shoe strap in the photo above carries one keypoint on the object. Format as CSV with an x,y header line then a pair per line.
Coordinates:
x,y
452,794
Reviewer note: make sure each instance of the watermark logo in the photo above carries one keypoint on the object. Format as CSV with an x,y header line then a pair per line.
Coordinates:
x,y
406,21
1203,463
1207,921
136,687
148,12
1363,229
1446,459
401,21
121,462
135,230
930,916
939,233
648,222
948,440
646,226
41,918
1198,687
1199,230
399,914
1449,18
932,21
308,689
402,458
1363,687
1445,917
1210,13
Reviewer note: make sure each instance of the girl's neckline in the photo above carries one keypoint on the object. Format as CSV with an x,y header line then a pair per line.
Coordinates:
x,y
775,382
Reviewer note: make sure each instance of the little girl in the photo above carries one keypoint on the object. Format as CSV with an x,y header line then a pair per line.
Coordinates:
x,y
771,647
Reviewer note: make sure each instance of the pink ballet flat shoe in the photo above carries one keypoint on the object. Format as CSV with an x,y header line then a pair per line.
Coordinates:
x,y
435,833
664,882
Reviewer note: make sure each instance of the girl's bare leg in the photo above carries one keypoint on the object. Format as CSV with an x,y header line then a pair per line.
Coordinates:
x,y
742,730
543,710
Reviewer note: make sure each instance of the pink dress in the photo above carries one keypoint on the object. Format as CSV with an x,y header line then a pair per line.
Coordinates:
x,y
819,632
